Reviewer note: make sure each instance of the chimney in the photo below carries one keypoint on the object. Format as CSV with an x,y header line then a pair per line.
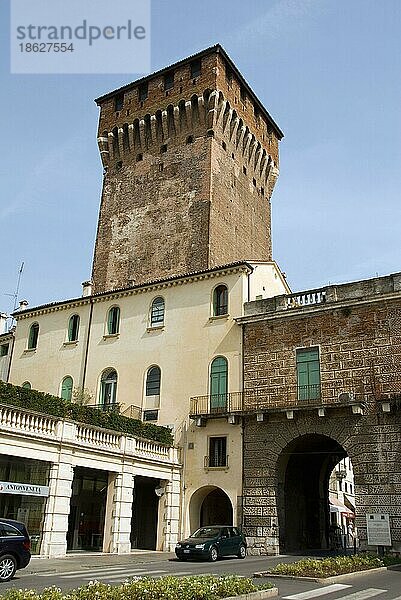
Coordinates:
x,y
3,323
86,288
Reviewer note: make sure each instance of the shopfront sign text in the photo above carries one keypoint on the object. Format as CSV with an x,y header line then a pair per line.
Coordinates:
x,y
25,489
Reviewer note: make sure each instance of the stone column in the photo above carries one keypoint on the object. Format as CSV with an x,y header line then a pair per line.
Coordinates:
x,y
55,527
172,511
118,518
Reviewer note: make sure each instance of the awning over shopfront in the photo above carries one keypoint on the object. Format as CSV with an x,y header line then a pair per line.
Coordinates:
x,y
338,507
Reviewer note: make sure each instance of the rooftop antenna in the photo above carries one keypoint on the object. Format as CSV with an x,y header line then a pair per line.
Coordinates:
x,y
16,293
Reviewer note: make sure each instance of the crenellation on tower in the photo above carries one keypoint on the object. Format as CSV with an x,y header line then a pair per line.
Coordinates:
x,y
190,165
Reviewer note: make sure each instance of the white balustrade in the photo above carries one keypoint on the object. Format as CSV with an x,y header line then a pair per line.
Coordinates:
x,y
26,422
97,437
307,298
148,449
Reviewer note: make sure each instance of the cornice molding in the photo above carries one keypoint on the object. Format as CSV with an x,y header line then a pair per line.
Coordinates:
x,y
133,291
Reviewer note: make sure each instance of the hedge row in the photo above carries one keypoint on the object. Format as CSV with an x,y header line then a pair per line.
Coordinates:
x,y
200,587
338,565
52,405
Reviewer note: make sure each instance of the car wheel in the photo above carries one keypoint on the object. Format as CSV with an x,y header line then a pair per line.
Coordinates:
x,y
241,551
213,554
8,566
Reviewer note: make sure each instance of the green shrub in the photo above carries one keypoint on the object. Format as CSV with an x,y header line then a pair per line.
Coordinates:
x,y
13,395
199,587
327,567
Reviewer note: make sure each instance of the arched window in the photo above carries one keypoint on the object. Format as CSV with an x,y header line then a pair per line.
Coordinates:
x,y
73,328
108,388
33,336
113,320
157,312
152,393
153,381
220,300
66,388
26,385
218,384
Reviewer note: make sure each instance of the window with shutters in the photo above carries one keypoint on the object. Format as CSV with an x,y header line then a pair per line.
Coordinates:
x,y
108,388
73,328
66,388
218,384
33,336
220,301
157,312
217,452
152,394
153,379
113,320
308,374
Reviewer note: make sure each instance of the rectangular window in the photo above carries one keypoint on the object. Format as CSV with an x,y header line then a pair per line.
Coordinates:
x,y
143,91
308,374
150,415
118,102
217,452
257,114
229,75
3,349
195,68
169,80
243,94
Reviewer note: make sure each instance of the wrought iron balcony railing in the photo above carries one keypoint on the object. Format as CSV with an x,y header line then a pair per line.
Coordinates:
x,y
255,400
337,392
133,412
108,406
216,462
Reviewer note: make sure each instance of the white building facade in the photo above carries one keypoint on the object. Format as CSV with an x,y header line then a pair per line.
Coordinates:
x,y
146,349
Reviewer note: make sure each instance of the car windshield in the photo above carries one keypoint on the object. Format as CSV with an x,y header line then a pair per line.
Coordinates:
x,y
206,532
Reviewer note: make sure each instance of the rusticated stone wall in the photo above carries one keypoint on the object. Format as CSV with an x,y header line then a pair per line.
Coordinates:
x,y
358,333
373,443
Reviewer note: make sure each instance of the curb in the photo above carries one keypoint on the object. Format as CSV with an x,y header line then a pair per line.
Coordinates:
x,y
259,595
333,579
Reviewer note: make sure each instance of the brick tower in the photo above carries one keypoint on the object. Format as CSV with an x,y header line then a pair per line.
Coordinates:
x,y
191,159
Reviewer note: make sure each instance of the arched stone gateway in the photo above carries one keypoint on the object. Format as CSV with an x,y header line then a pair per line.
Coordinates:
x,y
210,505
287,464
303,472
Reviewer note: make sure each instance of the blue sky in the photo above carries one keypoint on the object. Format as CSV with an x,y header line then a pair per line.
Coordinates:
x,y
328,71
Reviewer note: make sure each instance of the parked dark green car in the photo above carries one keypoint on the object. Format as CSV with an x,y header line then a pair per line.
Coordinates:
x,y
212,542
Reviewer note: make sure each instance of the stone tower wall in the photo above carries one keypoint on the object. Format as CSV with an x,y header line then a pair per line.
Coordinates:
x,y
188,178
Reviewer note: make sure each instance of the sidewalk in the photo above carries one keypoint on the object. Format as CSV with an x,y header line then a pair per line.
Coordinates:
x,y
79,561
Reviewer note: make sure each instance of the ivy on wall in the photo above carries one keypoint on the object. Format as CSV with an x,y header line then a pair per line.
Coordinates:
x,y
33,400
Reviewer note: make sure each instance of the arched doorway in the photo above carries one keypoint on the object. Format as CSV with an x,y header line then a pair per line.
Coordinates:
x,y
210,505
304,469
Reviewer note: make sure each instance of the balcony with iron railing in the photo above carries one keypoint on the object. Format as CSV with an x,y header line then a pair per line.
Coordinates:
x,y
132,411
334,393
